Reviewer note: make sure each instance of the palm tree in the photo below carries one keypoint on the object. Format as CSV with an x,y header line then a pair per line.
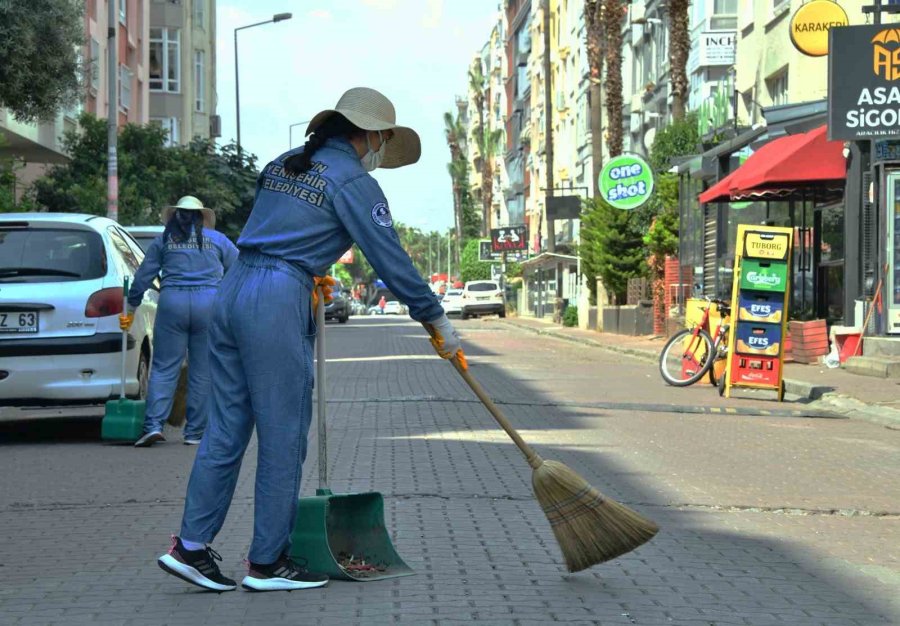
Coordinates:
x,y
679,49
613,14
490,146
455,132
477,87
596,44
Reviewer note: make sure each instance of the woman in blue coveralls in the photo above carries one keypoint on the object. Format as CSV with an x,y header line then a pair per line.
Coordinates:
x,y
312,204
192,258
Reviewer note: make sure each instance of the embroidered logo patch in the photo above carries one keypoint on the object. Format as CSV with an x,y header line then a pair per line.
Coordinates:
x,y
381,215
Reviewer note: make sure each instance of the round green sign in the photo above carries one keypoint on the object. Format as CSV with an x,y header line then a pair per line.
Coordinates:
x,y
626,182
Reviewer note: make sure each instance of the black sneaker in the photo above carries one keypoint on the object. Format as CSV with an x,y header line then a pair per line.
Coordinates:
x,y
197,567
282,575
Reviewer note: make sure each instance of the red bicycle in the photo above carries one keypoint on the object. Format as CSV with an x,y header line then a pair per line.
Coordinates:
x,y
690,353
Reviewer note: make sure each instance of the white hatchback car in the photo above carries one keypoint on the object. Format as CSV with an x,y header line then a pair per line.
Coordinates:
x,y
482,297
452,301
61,279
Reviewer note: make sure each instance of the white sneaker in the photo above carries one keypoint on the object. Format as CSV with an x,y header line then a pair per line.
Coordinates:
x,y
149,439
192,442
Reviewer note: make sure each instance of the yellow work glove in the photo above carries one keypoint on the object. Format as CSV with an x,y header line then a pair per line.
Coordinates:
x,y
126,318
326,283
445,340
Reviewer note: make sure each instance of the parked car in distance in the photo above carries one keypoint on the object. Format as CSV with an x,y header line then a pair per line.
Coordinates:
x,y
339,307
145,235
481,297
452,301
393,307
61,277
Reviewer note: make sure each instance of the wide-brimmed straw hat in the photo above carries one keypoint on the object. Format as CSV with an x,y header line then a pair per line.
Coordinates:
x,y
190,203
371,110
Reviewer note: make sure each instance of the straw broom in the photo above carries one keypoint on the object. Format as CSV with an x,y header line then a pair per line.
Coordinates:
x,y
589,527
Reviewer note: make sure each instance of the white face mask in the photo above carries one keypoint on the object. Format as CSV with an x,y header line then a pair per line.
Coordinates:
x,y
371,159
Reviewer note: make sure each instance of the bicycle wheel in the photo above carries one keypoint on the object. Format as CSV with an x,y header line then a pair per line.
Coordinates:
x,y
686,357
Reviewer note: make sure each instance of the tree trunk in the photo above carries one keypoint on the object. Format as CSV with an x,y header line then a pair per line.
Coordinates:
x,y
593,13
679,49
613,13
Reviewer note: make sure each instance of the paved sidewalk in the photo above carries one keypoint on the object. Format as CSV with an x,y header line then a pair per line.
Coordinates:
x,y
765,520
862,397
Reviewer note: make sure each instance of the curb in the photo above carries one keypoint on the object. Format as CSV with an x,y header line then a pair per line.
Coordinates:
x,y
818,395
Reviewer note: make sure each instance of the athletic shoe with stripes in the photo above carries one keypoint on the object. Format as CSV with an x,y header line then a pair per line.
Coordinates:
x,y
197,567
282,575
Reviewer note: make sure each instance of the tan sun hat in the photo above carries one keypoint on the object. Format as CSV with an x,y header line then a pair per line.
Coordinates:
x,y
190,203
371,110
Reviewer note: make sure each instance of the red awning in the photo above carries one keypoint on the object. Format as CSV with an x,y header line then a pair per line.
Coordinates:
x,y
795,161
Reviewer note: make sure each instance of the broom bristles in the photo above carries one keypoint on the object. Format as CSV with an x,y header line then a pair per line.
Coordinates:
x,y
589,527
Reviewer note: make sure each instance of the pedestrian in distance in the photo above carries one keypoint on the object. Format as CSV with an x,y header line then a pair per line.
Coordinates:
x,y
312,203
191,257
381,304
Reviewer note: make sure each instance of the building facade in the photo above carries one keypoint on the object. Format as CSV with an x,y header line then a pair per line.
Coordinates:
x,y
182,68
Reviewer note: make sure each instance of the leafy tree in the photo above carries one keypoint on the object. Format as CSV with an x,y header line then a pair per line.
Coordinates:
x,y
9,203
150,176
471,267
677,139
612,247
39,67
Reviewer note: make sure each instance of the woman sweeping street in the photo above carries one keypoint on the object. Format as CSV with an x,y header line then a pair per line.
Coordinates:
x,y
192,257
311,205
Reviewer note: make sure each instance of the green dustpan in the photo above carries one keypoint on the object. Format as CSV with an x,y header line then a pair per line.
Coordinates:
x,y
124,418
342,535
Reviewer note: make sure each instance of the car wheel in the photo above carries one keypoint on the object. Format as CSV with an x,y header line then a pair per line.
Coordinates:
x,y
143,375
343,320
463,315
502,314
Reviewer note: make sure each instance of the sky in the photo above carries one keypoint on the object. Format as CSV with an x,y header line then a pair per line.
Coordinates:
x,y
416,52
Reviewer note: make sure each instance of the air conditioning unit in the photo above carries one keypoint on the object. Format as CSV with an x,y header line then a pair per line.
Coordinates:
x,y
215,126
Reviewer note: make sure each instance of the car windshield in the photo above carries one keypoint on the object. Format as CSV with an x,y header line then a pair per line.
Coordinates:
x,y
483,287
40,255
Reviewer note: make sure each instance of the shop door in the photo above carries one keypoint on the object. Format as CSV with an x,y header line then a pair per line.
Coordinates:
x,y
892,292
828,258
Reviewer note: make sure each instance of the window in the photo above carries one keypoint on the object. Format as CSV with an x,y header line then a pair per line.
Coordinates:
x,y
200,14
122,250
724,15
199,81
95,64
123,11
778,88
125,78
170,125
51,254
165,60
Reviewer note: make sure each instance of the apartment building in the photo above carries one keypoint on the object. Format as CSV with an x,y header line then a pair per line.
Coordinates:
x,y
182,68
37,145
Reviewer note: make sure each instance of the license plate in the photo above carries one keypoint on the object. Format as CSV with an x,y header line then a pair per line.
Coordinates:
x,y
18,321
484,297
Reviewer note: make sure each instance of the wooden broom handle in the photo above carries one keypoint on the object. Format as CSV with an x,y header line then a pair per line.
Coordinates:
x,y
533,458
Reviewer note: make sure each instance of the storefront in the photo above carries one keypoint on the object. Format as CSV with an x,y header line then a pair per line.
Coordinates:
x,y
794,181
540,285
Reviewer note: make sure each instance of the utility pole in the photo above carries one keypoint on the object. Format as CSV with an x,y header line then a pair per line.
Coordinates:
x,y
112,131
430,265
548,126
448,256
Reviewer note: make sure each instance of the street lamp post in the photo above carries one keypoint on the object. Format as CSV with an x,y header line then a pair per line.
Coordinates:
x,y
291,133
278,17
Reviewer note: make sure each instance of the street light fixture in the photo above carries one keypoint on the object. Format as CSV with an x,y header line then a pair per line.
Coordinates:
x,y
291,133
278,17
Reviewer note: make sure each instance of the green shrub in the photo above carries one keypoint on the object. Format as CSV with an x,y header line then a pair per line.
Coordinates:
x,y
570,317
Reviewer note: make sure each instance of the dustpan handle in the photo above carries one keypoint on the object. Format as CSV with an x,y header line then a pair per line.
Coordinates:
x,y
320,388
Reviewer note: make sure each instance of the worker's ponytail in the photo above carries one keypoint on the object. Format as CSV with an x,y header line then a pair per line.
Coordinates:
x,y
335,126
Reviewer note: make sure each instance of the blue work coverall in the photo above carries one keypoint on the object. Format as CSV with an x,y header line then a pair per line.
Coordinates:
x,y
262,335
190,278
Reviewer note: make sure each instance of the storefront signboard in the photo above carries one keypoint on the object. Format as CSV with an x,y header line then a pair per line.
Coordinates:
x,y
811,23
626,182
864,82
